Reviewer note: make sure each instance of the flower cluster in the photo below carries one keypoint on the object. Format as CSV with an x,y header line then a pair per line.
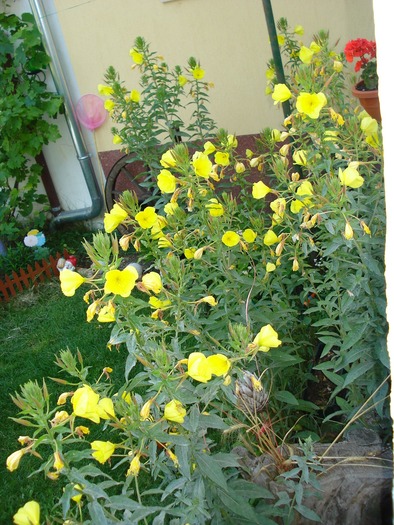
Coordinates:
x,y
365,52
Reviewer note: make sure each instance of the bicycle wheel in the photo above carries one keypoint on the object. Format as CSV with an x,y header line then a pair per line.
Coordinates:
x,y
126,174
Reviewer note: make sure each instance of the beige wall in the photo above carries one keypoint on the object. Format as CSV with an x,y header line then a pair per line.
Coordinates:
x,y
229,37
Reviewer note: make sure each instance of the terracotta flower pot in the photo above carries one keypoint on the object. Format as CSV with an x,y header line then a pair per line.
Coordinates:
x,y
369,101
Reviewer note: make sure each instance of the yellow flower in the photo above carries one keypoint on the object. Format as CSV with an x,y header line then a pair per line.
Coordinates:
x,y
270,267
79,488
305,188
58,462
189,253
170,208
315,47
145,410
230,239
311,104
270,238
365,227
182,80
164,242
348,233
201,164
104,90
166,181
29,514
198,367
135,96
270,73
157,303
239,167
267,338
337,66
350,177
107,313
299,30
103,450
87,404
281,39
209,147
117,139
92,310
369,125
60,417
147,217
330,136
260,190
281,93
70,281
209,299
198,73
284,150
13,459
275,135
278,206
152,281
63,398
249,235
120,282
82,430
215,208
296,265
299,157
306,55
222,158
219,364
115,217
109,105
135,466
168,160
126,396
373,140
137,57
201,368
175,411
173,457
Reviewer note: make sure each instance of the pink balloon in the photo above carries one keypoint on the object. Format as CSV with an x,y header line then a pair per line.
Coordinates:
x,y
91,112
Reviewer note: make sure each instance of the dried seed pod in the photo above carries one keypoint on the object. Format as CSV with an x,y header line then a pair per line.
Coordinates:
x,y
251,395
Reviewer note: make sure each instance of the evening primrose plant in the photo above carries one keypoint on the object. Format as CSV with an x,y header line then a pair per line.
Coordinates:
x,y
168,105
253,317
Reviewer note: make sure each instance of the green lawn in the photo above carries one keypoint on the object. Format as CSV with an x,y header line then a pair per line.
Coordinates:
x,y
34,327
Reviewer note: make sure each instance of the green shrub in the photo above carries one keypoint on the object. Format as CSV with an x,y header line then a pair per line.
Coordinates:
x,y
241,301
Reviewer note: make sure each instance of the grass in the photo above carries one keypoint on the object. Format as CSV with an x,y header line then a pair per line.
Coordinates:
x,y
36,326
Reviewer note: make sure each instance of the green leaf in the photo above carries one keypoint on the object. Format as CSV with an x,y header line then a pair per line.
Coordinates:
x,y
286,397
211,469
240,506
97,513
356,372
353,337
130,364
307,513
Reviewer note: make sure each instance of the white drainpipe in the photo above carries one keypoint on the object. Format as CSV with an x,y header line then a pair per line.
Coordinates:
x,y
38,10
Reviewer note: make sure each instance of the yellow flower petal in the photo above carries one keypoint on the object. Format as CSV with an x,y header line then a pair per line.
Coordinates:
x,y
260,190
103,450
219,364
70,281
29,514
175,411
120,282
230,238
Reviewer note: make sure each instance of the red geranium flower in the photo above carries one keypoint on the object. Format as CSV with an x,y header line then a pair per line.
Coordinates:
x,y
365,51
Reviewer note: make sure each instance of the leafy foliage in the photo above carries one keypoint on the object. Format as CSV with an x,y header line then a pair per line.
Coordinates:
x,y
26,107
